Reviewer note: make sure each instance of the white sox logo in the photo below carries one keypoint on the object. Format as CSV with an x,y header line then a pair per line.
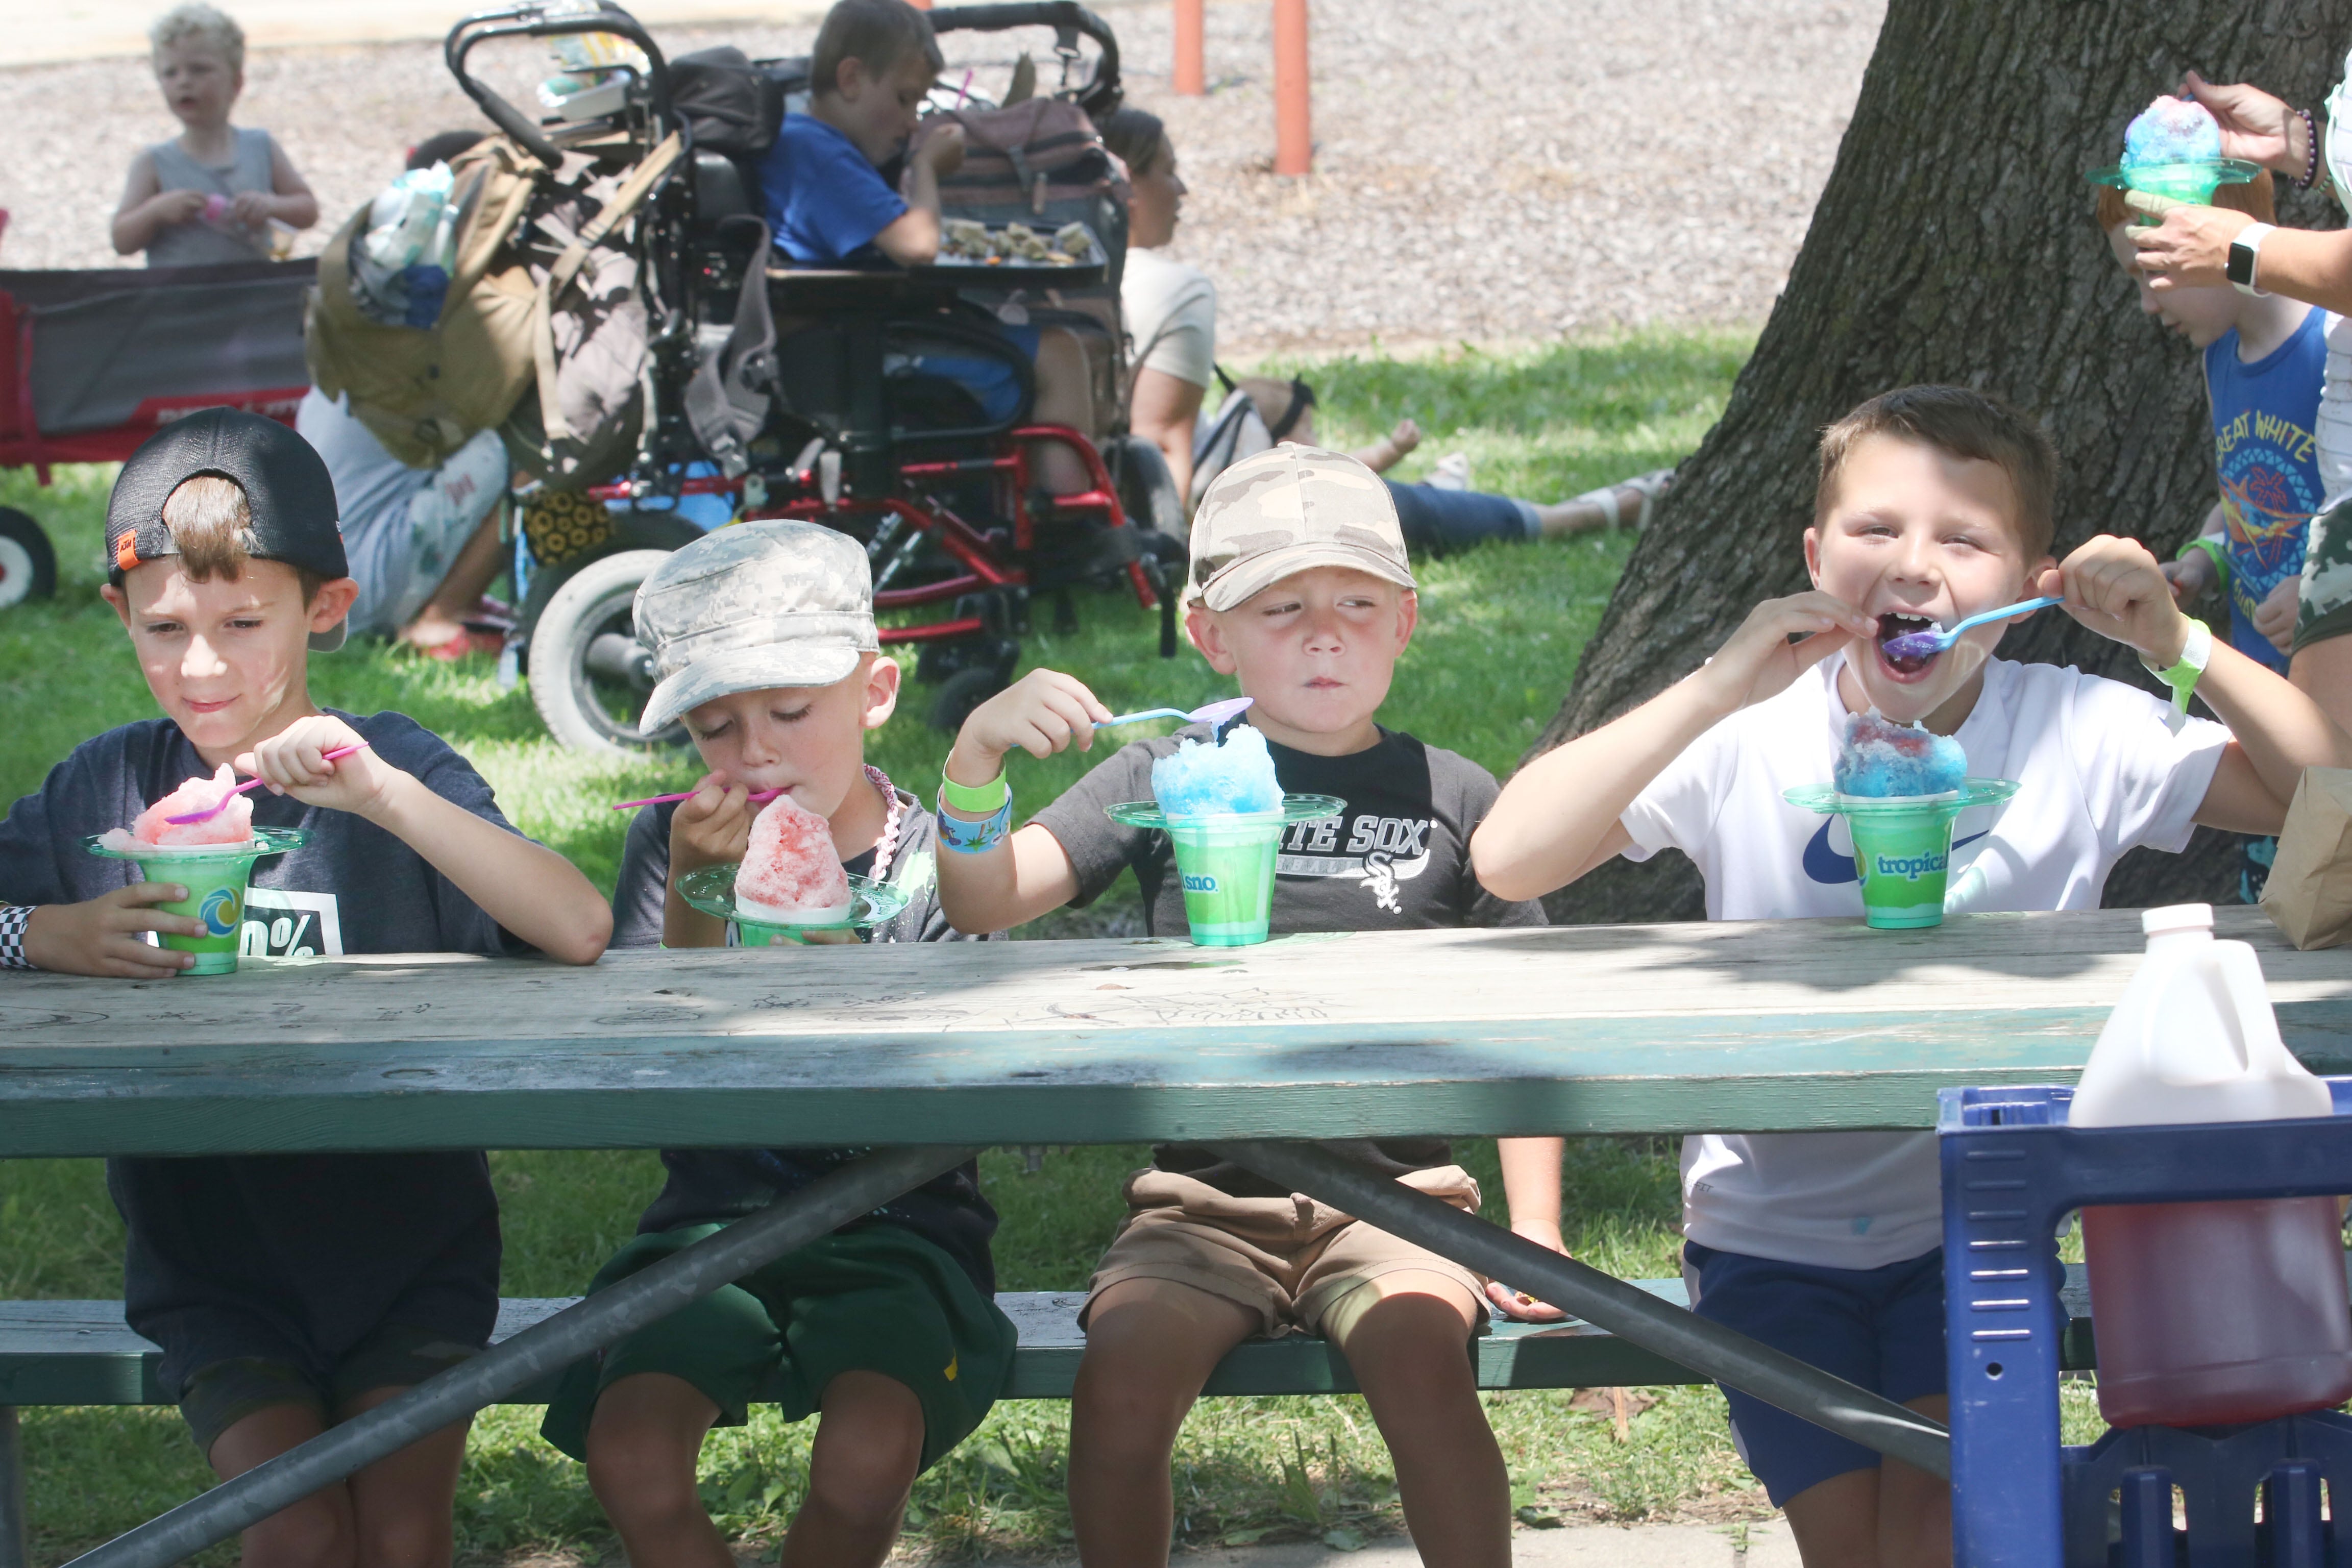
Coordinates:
x,y
1379,852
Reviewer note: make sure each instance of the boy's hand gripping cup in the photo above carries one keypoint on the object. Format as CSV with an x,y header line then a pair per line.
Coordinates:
x,y
1226,862
1902,845
215,875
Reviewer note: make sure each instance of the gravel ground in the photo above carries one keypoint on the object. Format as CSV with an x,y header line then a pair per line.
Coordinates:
x,y
1496,173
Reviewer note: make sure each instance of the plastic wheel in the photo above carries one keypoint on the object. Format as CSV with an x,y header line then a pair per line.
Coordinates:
x,y
630,530
28,564
589,675
961,693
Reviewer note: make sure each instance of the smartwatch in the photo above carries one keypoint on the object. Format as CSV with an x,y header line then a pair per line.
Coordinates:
x,y
2243,250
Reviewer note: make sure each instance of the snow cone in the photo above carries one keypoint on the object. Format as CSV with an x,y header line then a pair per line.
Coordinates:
x,y
213,859
1910,781
791,875
1224,817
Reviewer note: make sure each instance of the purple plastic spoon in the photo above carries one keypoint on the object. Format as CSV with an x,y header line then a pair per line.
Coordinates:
x,y
1935,639
222,804
1214,713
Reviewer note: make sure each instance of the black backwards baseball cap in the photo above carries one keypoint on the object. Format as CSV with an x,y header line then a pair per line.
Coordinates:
x,y
288,491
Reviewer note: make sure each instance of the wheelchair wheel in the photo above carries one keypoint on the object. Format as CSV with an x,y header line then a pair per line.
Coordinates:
x,y
28,565
589,675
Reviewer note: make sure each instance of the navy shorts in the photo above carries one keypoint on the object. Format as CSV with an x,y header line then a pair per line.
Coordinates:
x,y
1881,1329
1436,522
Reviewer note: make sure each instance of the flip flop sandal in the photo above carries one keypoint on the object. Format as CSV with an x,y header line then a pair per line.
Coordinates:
x,y
462,646
1649,487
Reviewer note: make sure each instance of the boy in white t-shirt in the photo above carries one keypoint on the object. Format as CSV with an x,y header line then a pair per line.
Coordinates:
x,y
1934,504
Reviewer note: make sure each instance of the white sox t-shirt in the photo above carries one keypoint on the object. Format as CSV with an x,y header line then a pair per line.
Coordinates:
x,y
2099,773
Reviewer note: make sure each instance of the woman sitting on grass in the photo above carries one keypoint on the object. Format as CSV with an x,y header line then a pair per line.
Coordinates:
x,y
1172,318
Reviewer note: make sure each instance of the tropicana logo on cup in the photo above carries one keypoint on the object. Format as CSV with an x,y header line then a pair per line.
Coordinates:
x,y
1912,867
1200,884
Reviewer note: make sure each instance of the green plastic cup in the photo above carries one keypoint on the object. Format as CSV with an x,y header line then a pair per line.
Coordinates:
x,y
2182,182
1227,867
216,884
1903,853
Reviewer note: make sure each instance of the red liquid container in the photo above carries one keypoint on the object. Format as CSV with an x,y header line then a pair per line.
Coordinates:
x,y
2213,1313
2209,1313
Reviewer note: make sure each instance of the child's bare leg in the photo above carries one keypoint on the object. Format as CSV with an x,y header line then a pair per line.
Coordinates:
x,y
1151,1345
470,576
1064,397
318,1532
1892,1517
1406,1337
402,1504
861,1465
644,1439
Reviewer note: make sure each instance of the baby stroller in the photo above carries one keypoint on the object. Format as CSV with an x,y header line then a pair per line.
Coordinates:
x,y
775,392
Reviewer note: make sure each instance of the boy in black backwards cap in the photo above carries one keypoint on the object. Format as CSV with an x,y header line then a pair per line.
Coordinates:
x,y
288,1292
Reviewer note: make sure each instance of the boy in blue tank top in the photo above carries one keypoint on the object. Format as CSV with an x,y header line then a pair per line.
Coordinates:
x,y
2265,365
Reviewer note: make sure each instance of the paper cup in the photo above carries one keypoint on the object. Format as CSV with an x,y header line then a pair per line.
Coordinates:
x,y
216,884
1226,864
1904,857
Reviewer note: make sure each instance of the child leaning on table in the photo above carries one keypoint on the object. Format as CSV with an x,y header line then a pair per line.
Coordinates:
x,y
288,1292
1307,599
1934,504
763,637
210,193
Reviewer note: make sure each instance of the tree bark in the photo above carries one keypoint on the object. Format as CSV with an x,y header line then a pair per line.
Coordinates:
x,y
1954,243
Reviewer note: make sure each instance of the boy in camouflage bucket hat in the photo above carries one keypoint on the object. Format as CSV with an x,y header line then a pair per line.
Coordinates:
x,y
763,639
1301,590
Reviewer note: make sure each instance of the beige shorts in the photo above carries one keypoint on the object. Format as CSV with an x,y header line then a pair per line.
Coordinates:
x,y
1290,1260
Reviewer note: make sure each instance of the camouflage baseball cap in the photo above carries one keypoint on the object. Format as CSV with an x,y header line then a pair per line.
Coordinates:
x,y
1289,509
756,605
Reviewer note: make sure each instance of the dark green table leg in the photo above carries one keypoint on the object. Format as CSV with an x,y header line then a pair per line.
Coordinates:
x,y
817,1210
1627,1311
15,1530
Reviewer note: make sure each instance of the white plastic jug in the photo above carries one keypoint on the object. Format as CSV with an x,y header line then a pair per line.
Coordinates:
x,y
2211,1313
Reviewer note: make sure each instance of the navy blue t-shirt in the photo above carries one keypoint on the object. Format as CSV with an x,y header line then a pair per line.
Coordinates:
x,y
2268,458
294,1258
824,202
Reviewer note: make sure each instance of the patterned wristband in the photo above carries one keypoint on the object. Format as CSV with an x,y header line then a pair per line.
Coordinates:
x,y
962,837
13,919
2311,161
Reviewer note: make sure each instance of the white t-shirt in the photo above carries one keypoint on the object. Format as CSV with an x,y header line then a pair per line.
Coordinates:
x,y
2333,426
2099,773
1171,316
370,482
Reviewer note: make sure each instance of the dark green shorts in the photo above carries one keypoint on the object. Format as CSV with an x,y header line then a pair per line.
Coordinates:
x,y
877,1299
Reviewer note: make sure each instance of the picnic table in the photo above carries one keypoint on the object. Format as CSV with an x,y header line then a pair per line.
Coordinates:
x,y
926,1051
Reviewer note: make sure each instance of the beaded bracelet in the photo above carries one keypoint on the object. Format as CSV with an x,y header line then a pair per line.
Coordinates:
x,y
13,919
961,835
2311,159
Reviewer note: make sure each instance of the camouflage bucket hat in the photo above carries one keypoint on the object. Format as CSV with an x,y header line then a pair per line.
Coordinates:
x,y
1289,509
756,605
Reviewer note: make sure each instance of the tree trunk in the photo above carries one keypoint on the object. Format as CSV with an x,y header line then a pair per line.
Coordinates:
x,y
1954,243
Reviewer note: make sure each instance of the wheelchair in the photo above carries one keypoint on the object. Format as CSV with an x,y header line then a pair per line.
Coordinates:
x,y
852,406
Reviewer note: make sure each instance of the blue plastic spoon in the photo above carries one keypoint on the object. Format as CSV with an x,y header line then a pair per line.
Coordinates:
x,y
1214,713
1935,639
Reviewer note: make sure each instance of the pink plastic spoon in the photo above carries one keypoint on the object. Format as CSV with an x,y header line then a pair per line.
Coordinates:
x,y
758,797
222,804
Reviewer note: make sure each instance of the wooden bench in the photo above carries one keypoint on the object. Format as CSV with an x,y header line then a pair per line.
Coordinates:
x,y
82,1353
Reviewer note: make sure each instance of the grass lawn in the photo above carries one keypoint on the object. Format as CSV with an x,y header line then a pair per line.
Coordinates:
x,y
1501,631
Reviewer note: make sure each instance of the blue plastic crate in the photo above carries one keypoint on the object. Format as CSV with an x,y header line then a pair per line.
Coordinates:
x,y
2012,1169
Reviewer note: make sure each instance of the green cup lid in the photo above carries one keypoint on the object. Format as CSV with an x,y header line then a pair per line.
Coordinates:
x,y
264,841
1973,791
1295,808
712,889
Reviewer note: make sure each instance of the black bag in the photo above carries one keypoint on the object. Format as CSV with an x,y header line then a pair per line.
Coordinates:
x,y
728,104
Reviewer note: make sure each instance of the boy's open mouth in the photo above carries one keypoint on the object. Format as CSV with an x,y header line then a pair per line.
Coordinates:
x,y
1894,625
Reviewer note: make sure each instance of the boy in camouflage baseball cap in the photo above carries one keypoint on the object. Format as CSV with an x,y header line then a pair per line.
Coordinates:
x,y
763,639
1300,590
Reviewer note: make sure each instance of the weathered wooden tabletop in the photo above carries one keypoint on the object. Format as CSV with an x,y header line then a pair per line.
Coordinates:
x,y
1784,1024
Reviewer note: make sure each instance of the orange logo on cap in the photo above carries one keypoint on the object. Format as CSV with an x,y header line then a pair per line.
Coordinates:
x,y
126,549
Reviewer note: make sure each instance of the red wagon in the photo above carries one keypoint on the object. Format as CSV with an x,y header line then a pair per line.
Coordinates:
x,y
92,362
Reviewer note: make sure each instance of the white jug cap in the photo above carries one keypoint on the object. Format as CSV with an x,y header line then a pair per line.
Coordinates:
x,y
2173,919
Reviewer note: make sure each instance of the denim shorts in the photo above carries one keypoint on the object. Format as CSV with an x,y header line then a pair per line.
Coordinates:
x,y
1881,1329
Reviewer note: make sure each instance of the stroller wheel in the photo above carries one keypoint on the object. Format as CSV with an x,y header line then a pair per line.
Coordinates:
x,y
961,693
589,675
28,566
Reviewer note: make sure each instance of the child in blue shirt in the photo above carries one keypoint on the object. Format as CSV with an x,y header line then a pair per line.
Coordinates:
x,y
822,185
2265,365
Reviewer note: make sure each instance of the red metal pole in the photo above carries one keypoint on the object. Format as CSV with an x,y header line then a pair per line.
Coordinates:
x,y
1294,145
1191,76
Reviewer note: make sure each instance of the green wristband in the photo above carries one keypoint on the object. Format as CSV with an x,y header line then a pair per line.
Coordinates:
x,y
2212,551
980,800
